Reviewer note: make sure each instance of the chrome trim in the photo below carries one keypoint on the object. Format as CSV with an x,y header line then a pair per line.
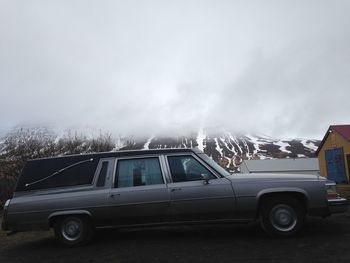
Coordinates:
x,y
7,204
337,205
68,212
55,190
165,172
337,201
179,222
198,198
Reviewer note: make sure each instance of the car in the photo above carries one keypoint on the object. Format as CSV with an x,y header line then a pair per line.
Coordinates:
x,y
76,194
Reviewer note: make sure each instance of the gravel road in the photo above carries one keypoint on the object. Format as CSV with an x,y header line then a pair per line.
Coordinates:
x,y
322,240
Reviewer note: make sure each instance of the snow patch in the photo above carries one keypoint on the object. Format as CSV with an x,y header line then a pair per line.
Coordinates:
x,y
234,139
255,141
247,148
146,145
309,144
218,147
283,146
200,139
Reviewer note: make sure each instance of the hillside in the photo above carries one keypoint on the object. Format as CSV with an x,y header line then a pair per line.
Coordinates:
x,y
226,148
230,149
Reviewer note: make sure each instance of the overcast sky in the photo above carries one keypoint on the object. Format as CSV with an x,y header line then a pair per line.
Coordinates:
x,y
281,68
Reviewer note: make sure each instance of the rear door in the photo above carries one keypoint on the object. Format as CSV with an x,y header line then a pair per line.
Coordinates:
x,y
139,193
191,198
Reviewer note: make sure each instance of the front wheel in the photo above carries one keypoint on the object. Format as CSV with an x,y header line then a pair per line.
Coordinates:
x,y
73,230
282,217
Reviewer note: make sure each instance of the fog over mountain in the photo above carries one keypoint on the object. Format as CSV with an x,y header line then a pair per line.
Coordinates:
x,y
272,67
226,148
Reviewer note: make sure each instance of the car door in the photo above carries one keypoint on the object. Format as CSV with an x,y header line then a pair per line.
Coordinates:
x,y
195,199
139,194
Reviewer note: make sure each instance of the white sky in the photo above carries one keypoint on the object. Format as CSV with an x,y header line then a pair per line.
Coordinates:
x,y
138,67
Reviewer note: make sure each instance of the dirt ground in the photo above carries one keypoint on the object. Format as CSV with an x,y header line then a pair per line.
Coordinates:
x,y
322,240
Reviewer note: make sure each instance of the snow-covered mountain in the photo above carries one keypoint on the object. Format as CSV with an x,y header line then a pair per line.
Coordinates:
x,y
226,148
230,149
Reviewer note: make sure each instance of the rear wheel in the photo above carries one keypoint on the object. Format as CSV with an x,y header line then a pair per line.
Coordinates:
x,y
73,230
282,217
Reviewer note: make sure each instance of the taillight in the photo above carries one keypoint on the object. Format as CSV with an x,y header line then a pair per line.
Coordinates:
x,y
7,204
4,224
331,191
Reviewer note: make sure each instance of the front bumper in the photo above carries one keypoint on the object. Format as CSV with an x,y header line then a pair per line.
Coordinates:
x,y
338,205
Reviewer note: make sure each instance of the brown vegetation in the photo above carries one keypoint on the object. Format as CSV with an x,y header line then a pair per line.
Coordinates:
x,y
24,144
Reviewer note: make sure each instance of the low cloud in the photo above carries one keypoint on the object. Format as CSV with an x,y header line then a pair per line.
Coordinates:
x,y
147,67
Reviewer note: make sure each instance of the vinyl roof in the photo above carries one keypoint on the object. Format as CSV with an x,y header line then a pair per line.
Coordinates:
x,y
126,153
270,165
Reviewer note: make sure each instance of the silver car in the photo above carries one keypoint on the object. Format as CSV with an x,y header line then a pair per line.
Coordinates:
x,y
79,193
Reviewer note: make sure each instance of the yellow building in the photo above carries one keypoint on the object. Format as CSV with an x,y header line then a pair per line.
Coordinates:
x,y
334,154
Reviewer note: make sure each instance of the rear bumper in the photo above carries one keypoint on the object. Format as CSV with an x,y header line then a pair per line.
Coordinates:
x,y
338,205
4,226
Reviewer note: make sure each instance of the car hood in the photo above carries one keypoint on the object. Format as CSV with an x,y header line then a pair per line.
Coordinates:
x,y
274,177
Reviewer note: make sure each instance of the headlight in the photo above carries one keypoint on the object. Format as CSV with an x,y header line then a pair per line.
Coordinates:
x,y
331,191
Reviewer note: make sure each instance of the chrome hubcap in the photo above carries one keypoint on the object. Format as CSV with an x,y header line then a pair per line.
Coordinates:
x,y
71,230
283,217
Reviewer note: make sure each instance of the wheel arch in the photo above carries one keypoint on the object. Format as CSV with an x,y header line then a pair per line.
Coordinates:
x,y
299,194
59,214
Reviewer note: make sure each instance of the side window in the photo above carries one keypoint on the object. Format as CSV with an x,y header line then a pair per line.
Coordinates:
x,y
102,176
187,168
137,172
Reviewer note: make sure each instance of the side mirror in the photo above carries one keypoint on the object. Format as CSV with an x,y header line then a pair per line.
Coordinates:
x,y
205,177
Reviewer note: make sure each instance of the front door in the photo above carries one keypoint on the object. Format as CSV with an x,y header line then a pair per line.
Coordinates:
x,y
140,194
194,199
335,165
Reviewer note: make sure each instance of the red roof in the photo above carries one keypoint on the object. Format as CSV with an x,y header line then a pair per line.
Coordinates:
x,y
343,130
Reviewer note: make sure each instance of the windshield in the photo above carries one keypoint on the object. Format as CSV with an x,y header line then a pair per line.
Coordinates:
x,y
213,164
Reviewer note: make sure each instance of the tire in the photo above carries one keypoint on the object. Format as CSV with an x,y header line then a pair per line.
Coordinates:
x,y
282,217
73,230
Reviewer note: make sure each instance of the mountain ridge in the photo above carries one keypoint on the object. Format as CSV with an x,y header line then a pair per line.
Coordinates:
x,y
226,148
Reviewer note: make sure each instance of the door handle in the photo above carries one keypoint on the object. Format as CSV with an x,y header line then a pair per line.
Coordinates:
x,y
114,195
176,189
